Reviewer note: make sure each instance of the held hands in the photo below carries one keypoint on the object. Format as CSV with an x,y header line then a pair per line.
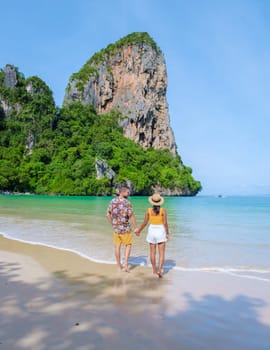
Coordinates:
x,y
137,232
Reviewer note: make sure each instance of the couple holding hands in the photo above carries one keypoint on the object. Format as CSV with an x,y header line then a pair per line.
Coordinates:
x,y
120,213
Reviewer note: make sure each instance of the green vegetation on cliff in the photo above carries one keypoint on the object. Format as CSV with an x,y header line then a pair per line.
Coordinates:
x,y
135,38
111,50
48,150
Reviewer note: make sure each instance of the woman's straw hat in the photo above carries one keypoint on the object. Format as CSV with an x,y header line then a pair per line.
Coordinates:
x,y
156,199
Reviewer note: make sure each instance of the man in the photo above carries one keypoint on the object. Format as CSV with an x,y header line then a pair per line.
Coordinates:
x,y
118,214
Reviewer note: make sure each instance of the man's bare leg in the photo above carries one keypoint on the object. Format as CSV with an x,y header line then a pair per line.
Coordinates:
x,y
127,254
153,257
118,255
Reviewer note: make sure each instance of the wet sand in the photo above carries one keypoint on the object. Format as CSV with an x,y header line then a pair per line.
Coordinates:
x,y
53,299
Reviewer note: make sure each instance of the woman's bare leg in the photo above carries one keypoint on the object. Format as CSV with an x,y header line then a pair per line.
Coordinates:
x,y
153,257
161,258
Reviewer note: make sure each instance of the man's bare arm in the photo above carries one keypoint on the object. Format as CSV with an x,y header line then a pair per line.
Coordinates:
x,y
133,220
109,218
145,221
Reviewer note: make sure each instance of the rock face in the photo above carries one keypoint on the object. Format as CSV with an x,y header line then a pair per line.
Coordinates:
x,y
10,81
103,169
30,97
176,191
10,76
128,76
5,107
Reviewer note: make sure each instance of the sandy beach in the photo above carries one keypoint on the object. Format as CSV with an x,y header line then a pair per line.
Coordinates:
x,y
54,299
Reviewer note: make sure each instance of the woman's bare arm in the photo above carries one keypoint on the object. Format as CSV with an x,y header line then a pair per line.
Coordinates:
x,y
145,221
165,223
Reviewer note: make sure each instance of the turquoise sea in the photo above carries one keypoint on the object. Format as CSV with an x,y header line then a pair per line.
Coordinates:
x,y
228,234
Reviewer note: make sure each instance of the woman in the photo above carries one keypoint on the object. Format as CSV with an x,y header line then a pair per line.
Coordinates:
x,y
158,231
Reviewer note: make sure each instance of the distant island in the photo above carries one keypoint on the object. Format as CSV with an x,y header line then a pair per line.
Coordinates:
x,y
113,128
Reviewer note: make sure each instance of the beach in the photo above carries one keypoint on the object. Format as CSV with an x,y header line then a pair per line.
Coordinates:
x,y
56,299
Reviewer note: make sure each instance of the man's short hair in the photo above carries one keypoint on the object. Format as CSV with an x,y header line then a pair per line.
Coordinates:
x,y
123,188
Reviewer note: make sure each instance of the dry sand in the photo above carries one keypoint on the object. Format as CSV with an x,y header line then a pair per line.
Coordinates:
x,y
53,299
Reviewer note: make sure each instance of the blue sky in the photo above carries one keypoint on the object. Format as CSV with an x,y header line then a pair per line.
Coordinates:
x,y
218,64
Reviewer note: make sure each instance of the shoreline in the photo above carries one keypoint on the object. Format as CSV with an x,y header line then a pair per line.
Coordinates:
x,y
50,246
55,299
226,242
255,273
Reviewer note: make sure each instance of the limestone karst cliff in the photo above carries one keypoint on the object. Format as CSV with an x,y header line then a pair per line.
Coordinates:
x,y
10,80
129,76
87,147
24,101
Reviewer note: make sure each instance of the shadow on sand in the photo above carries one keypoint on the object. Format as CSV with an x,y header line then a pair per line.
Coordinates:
x,y
169,264
95,311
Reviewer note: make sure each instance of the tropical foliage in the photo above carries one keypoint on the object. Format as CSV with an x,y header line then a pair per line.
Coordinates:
x,y
44,149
